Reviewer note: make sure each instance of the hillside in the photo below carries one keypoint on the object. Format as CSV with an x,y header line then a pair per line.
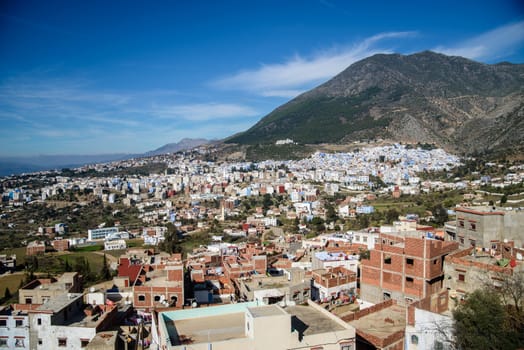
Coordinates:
x,y
184,144
453,102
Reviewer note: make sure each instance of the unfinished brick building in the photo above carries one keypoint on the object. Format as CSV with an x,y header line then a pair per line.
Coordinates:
x,y
404,268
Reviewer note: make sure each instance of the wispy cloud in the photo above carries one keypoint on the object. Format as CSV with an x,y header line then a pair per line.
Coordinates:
x,y
205,111
297,74
492,45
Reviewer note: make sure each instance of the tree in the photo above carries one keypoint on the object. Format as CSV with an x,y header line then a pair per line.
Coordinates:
x,y
481,322
440,214
7,294
392,215
105,273
67,266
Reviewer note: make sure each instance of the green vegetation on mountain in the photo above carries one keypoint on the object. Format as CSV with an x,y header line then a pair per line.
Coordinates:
x,y
427,98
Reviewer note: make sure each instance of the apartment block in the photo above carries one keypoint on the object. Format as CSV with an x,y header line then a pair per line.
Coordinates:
x,y
14,328
404,268
485,226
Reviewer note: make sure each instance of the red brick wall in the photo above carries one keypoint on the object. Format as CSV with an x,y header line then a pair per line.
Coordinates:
x,y
370,276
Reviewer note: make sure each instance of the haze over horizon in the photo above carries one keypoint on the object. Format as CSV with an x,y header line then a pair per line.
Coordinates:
x,y
128,77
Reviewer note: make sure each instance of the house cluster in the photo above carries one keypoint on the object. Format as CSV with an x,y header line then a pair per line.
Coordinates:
x,y
383,287
393,287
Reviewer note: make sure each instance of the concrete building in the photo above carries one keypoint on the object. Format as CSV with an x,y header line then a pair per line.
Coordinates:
x,y
429,323
115,245
472,268
486,226
62,322
7,262
100,233
324,260
14,328
404,268
270,290
41,290
247,326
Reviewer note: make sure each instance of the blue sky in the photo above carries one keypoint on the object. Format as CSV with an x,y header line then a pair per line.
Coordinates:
x,y
93,77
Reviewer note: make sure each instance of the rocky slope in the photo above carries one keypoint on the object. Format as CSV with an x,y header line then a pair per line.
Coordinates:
x,y
453,102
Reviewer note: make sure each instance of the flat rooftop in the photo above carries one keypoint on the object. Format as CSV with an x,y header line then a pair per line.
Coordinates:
x,y
207,329
208,311
59,302
263,311
383,323
308,321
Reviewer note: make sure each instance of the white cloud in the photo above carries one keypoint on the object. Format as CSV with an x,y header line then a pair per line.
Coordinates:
x,y
494,44
204,111
297,74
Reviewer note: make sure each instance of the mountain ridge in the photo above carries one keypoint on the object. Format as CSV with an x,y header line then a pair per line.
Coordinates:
x,y
453,102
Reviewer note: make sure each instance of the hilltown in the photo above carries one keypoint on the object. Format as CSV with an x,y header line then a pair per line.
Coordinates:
x,y
258,283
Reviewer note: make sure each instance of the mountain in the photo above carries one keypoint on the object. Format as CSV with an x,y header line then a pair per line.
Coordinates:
x,y
450,101
182,145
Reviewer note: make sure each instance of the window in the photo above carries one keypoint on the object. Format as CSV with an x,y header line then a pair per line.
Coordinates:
x,y
461,240
409,261
461,277
39,321
62,341
409,280
461,223
435,262
364,239
414,339
19,323
345,346
19,343
84,342
28,300
357,238
40,342
141,297
472,226
3,323
157,298
3,342
387,259
472,242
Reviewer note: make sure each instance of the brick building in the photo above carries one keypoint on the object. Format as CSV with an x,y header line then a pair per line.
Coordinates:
x,y
328,283
60,245
35,248
162,286
404,268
